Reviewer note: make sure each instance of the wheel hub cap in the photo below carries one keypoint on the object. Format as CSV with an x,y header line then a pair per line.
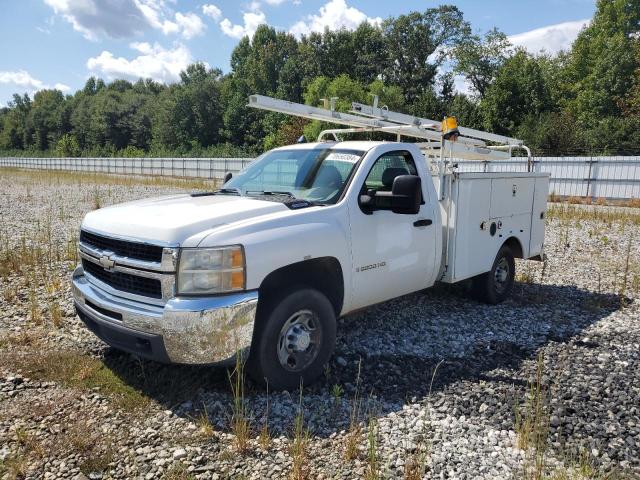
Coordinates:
x,y
299,341
501,274
298,338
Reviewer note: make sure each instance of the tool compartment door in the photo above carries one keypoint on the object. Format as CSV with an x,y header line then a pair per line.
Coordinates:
x,y
471,248
511,196
538,216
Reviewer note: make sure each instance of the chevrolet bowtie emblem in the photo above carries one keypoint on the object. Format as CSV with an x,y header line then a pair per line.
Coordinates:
x,y
106,262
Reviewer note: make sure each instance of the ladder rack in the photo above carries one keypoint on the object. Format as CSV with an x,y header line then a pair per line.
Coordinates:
x,y
470,145
401,118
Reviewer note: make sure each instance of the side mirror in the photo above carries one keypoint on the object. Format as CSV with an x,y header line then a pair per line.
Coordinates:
x,y
228,177
406,194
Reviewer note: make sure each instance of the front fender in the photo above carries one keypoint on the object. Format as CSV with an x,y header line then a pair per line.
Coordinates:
x,y
283,239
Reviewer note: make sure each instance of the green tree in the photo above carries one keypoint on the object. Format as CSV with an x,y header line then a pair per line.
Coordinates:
x,y
319,93
416,45
632,100
603,61
288,133
14,123
267,64
242,125
519,90
67,146
46,121
110,116
390,96
466,111
189,113
131,152
479,58
369,51
347,90
81,107
343,87
583,100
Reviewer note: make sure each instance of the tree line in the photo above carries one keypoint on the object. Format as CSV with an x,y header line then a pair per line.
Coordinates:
x,y
582,101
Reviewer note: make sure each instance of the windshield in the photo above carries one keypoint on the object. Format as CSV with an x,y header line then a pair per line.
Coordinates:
x,y
316,175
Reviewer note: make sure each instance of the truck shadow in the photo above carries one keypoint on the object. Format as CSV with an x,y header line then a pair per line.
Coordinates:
x,y
389,354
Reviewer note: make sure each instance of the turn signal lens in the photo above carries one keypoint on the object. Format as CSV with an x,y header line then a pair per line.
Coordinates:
x,y
237,258
237,280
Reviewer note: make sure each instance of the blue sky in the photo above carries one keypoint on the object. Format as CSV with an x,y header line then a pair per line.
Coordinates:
x,y
60,43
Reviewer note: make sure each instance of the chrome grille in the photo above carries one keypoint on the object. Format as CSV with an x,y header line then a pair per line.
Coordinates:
x,y
123,248
124,267
147,287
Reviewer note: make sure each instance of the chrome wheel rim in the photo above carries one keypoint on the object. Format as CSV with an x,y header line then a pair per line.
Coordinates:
x,y
299,341
501,275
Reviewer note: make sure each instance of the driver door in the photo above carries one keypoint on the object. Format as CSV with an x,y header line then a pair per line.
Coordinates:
x,y
393,254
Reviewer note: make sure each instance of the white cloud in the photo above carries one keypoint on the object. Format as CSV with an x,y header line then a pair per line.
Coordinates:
x,y
154,61
275,2
92,18
252,20
158,15
335,14
62,87
152,11
125,18
212,11
24,80
190,24
551,39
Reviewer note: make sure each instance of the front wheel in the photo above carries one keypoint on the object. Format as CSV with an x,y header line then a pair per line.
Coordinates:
x,y
495,286
294,339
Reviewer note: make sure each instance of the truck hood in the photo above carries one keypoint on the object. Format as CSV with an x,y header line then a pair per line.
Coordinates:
x,y
173,219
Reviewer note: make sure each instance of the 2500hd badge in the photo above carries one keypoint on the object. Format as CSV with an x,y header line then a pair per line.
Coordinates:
x,y
370,267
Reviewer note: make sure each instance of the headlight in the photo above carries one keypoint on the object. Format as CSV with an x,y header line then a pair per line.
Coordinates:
x,y
204,271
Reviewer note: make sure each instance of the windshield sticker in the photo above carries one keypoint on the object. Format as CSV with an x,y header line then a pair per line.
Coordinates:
x,y
343,157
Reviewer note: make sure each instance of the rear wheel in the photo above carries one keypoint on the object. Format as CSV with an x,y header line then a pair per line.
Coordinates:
x,y
294,339
495,286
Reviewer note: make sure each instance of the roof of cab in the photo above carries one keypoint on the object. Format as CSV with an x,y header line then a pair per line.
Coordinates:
x,y
363,146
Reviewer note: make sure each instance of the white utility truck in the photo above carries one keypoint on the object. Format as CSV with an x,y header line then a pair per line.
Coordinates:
x,y
305,234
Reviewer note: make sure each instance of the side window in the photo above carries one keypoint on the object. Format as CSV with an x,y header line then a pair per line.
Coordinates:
x,y
387,168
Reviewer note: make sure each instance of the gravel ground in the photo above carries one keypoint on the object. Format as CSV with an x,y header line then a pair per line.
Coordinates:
x,y
442,381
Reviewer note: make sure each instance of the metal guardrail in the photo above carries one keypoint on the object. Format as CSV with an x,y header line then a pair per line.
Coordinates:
x,y
609,177
213,168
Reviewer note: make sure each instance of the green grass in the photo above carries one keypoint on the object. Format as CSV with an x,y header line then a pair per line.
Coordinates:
x,y
608,215
14,467
49,177
77,370
178,472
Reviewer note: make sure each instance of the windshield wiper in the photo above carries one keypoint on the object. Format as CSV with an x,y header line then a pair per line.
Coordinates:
x,y
233,191
270,192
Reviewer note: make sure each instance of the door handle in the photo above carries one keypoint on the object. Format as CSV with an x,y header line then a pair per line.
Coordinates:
x,y
425,222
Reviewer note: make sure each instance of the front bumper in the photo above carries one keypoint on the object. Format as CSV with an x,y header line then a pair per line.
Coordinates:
x,y
185,330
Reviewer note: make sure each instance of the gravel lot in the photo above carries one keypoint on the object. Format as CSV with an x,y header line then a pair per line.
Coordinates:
x,y
442,381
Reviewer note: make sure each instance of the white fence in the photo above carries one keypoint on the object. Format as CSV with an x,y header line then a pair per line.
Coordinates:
x,y
162,167
610,177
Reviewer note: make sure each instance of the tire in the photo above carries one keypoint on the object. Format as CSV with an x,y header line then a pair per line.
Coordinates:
x,y
294,339
495,286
